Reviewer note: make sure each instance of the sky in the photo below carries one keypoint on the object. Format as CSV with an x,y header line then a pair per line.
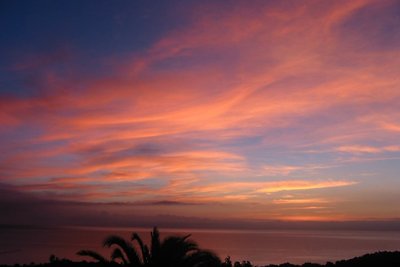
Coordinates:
x,y
113,112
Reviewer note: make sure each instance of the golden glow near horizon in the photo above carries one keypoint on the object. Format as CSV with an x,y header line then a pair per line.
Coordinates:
x,y
264,110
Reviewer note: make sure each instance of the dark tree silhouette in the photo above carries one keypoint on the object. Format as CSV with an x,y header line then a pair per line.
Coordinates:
x,y
94,255
126,248
173,251
117,254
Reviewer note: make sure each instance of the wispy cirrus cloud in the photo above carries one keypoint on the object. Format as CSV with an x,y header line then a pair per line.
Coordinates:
x,y
215,110
367,149
300,201
278,170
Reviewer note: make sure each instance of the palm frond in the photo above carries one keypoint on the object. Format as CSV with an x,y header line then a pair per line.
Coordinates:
x,y
92,254
186,237
117,254
181,244
174,249
155,242
126,247
202,258
143,248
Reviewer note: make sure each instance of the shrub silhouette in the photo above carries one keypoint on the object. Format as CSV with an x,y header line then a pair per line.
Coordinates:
x,y
172,251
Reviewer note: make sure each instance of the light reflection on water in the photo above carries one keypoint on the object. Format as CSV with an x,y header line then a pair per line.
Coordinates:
x,y
260,247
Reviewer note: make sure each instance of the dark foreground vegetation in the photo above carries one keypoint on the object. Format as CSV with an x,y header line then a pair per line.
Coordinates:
x,y
378,259
177,251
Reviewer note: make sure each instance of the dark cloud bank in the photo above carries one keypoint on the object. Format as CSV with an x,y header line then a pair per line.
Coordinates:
x,y
20,209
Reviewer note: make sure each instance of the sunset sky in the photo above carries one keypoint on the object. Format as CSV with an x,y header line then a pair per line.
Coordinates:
x,y
218,110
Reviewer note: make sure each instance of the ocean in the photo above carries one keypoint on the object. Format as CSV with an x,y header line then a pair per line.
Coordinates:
x,y
260,247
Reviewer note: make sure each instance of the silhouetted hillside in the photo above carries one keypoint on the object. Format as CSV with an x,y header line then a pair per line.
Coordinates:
x,y
378,259
384,259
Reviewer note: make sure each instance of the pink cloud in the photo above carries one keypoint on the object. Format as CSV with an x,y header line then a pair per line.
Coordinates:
x,y
202,95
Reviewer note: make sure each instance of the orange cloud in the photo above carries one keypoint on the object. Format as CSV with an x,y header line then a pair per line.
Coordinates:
x,y
367,149
209,112
358,149
300,201
288,169
301,185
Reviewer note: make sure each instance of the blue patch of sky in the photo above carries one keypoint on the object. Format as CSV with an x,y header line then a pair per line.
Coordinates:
x,y
94,26
91,31
20,134
373,28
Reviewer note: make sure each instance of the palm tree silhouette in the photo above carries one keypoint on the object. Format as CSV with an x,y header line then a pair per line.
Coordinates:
x,y
94,255
172,251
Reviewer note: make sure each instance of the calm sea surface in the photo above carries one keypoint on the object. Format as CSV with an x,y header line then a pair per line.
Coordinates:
x,y
259,247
